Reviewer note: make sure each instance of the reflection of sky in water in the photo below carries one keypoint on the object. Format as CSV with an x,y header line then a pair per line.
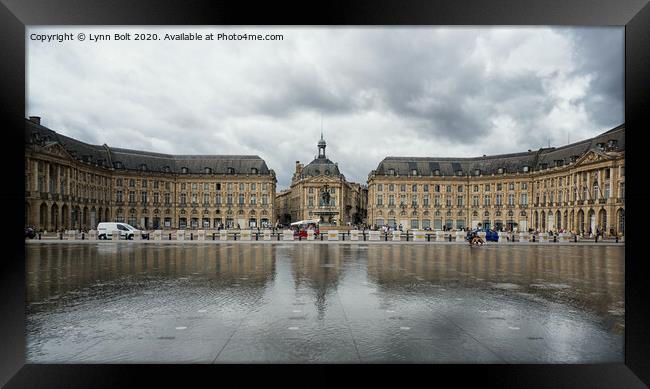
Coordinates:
x,y
551,294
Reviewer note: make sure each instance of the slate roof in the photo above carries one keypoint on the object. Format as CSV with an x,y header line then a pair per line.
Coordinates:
x,y
320,167
135,159
512,163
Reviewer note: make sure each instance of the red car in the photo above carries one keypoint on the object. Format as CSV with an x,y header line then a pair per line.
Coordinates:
x,y
303,233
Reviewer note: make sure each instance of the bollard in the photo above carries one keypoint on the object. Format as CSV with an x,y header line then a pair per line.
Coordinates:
x,y
364,236
428,237
554,238
61,237
82,236
278,235
170,236
235,234
450,237
39,236
214,236
343,236
533,238
575,239
299,238
257,236
616,238
407,236
191,236
321,236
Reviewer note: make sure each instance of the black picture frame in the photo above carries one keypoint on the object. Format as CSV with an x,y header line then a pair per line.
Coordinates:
x,y
634,15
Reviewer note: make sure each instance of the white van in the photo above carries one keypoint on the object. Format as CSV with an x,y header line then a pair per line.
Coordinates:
x,y
105,230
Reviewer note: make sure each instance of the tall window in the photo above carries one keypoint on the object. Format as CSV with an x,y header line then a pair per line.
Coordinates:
x,y
241,198
156,197
143,196
144,183
253,199
402,200
607,190
448,201
183,198
167,198
436,200
487,187
436,188
391,187
460,201
511,199
448,188
217,199
402,188
380,199
253,186
595,190
414,188
425,187
119,196
475,200
460,188
265,199
391,200
131,183
524,199
380,187
132,196
229,199
486,200
498,199
414,200
206,198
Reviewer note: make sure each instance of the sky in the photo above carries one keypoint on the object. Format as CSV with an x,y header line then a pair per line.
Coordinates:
x,y
375,92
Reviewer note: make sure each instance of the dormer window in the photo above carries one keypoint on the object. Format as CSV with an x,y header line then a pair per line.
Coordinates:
x,y
185,170
253,170
231,170
612,143
600,145
327,172
166,169
143,166
117,165
525,169
100,162
559,162
543,165
477,172
87,158
436,172
501,170
414,172
391,172
459,172
574,158
207,170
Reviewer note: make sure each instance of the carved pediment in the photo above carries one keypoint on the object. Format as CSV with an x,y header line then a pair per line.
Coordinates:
x,y
55,148
593,156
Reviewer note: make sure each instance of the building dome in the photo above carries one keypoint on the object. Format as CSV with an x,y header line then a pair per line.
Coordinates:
x,y
321,167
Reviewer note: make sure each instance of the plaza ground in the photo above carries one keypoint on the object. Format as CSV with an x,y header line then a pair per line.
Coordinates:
x,y
201,302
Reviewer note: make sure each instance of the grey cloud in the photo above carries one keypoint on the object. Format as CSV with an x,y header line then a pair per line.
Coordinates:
x,y
380,91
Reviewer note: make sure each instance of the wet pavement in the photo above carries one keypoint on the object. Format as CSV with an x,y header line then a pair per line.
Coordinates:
x,y
343,303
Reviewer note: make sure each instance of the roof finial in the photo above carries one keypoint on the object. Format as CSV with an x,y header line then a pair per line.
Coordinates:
x,y
321,126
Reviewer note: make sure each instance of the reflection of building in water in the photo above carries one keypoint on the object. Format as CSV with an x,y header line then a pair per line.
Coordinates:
x,y
317,268
56,269
590,276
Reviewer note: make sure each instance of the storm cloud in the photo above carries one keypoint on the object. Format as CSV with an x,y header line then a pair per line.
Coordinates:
x,y
379,92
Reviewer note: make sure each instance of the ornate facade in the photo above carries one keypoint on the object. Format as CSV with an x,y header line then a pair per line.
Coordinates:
x,y
73,185
320,191
577,187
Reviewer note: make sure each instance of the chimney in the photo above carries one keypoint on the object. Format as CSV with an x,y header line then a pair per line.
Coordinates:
x,y
298,167
35,119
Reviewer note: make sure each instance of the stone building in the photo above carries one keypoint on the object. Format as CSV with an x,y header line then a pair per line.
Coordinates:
x,y
320,191
74,185
576,187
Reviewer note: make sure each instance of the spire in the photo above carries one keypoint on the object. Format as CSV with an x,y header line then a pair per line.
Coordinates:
x,y
321,142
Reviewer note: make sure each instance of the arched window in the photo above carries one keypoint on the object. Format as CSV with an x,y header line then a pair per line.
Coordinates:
x,y
184,170
231,170
253,170
207,170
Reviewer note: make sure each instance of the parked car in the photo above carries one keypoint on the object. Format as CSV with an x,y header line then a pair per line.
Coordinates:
x,y
127,231
30,233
